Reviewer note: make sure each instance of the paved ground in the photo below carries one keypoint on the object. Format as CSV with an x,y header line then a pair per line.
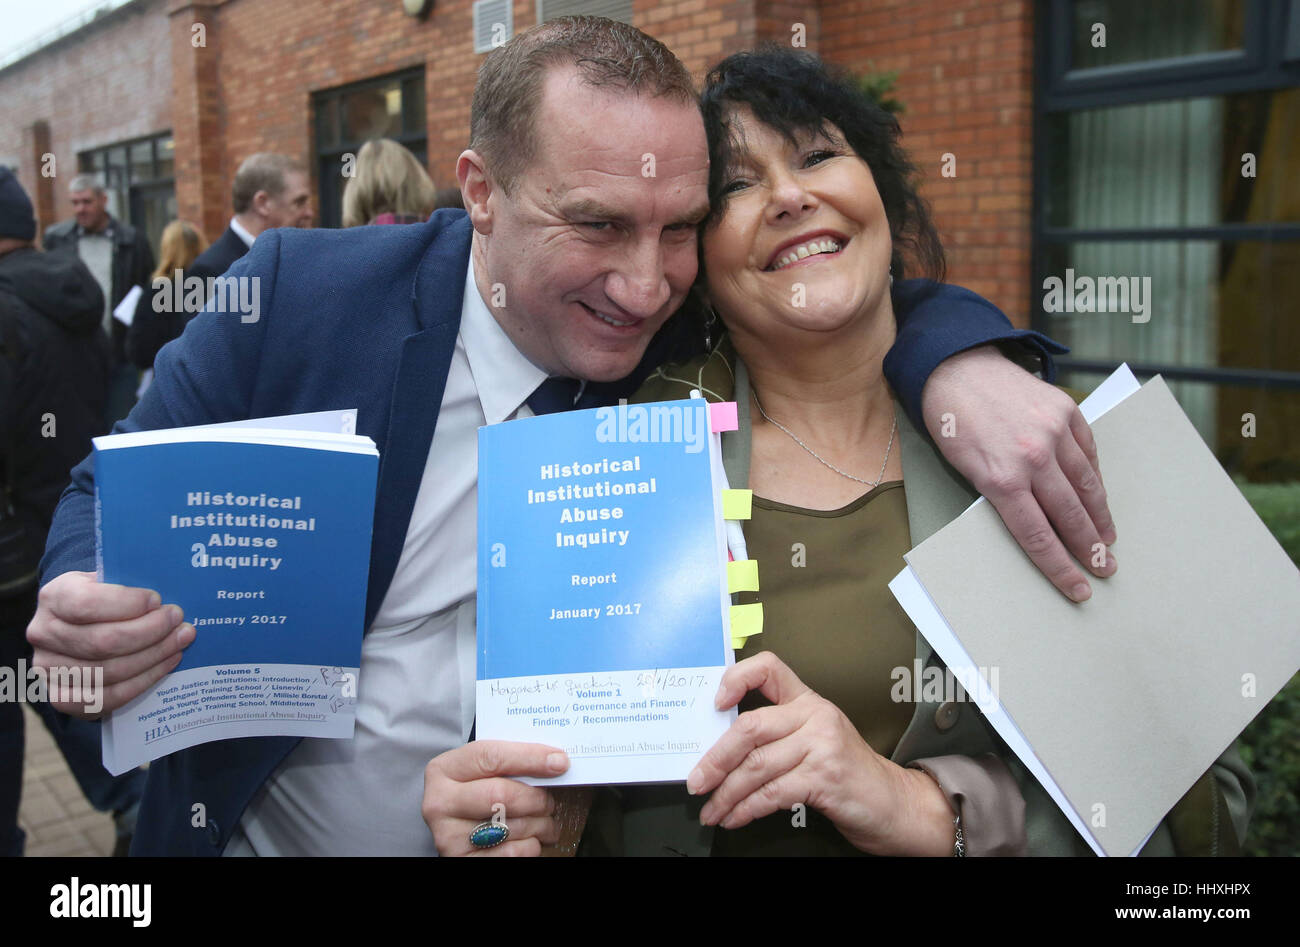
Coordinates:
x,y
56,816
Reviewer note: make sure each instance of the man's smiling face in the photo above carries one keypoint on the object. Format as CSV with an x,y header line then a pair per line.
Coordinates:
x,y
596,247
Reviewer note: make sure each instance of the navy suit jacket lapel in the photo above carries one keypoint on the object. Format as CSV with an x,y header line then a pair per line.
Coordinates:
x,y
437,292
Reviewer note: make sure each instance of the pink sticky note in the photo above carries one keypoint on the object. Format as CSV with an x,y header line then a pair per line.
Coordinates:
x,y
722,416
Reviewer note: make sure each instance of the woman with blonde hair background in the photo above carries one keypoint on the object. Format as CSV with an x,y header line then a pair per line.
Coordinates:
x,y
180,245
390,187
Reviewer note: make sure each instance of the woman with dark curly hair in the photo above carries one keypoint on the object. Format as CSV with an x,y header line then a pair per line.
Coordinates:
x,y
814,218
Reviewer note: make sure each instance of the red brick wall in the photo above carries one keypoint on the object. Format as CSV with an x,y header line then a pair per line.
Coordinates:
x,y
699,32
202,196
966,78
248,86
790,22
273,55
109,82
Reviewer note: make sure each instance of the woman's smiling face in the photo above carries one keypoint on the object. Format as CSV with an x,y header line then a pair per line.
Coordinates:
x,y
803,243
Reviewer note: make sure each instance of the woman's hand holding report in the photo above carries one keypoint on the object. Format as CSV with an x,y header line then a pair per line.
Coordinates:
x,y
804,751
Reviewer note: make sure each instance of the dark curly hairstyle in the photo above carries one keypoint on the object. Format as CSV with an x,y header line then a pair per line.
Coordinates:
x,y
794,92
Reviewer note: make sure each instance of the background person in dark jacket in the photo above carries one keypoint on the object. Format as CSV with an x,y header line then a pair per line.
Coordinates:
x,y
119,257
54,379
157,318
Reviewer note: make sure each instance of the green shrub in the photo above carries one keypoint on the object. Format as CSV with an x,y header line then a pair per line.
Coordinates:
x,y
1278,505
1270,746
877,86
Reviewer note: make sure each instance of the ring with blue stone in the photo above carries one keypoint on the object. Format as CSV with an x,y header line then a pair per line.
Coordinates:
x,y
489,834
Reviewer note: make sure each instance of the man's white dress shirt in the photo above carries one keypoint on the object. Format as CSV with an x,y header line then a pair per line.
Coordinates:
x,y
415,693
242,232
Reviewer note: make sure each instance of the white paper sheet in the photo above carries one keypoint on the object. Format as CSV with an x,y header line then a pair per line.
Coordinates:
x,y
125,310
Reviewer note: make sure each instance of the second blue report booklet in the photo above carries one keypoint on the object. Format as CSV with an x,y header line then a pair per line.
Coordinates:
x,y
260,531
603,605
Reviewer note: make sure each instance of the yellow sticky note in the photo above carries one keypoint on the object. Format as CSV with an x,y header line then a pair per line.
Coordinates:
x,y
738,643
737,504
742,575
746,620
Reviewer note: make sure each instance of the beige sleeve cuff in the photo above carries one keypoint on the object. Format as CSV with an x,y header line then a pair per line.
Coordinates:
x,y
982,790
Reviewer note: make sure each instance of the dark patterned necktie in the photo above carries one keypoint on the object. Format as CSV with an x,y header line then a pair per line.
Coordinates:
x,y
554,394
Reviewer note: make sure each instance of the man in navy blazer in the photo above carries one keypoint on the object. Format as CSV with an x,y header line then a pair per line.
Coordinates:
x,y
370,318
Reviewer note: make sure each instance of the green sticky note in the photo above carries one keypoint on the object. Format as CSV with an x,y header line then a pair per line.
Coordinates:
x,y
738,643
737,504
742,575
746,620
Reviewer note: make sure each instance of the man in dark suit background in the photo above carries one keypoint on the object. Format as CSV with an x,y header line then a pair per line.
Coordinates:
x,y
270,190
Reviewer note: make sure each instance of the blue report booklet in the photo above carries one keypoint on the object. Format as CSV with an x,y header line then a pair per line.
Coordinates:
x,y
260,531
603,605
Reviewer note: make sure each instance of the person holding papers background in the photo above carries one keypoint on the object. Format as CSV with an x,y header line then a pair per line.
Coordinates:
x,y
569,263
157,320
808,185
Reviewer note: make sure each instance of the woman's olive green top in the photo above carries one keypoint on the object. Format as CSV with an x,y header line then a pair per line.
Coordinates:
x,y
828,614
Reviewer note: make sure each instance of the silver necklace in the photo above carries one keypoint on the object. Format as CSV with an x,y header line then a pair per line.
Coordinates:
x,y
892,431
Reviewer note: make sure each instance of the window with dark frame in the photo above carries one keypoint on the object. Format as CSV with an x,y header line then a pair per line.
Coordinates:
x,y
1164,145
347,117
139,176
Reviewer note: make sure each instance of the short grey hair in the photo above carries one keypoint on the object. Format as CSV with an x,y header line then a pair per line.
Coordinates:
x,y
263,171
86,182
